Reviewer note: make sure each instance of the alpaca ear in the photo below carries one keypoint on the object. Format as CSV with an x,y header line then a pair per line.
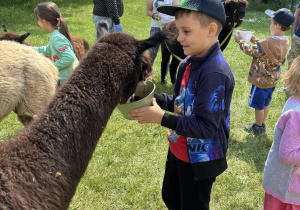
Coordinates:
x,y
4,28
156,39
20,39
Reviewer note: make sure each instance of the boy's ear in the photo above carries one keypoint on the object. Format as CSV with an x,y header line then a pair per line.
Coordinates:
x,y
277,26
212,29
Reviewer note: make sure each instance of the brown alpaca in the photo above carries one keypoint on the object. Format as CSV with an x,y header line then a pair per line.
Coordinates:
x,y
79,44
14,37
41,167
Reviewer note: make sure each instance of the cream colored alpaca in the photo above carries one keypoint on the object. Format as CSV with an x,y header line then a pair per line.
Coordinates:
x,y
27,81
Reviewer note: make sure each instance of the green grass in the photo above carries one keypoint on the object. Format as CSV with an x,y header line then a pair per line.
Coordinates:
x,y
127,168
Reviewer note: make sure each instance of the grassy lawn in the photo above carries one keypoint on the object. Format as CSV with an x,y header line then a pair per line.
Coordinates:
x,y
127,167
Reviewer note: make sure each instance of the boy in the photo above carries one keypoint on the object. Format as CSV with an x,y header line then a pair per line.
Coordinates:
x,y
199,129
268,56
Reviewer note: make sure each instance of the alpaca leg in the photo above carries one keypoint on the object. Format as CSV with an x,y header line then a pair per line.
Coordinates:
x,y
24,115
27,110
5,110
165,61
8,97
25,119
173,69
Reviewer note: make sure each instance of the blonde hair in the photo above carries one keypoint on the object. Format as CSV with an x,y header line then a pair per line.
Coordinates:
x,y
203,18
291,79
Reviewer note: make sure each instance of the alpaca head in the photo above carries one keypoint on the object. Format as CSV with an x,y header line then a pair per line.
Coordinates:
x,y
14,37
125,60
235,12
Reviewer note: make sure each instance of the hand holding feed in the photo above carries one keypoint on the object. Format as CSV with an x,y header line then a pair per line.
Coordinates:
x,y
148,114
238,38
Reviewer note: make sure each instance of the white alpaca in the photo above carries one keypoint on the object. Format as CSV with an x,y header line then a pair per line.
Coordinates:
x,y
27,81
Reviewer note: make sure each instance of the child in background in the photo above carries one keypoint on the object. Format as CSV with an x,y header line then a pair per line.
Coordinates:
x,y
199,129
155,25
281,180
268,57
59,48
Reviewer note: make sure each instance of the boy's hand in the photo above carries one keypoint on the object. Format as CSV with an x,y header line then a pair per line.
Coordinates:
x,y
149,114
253,38
238,38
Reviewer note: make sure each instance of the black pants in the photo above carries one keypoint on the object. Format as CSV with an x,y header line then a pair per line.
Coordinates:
x,y
181,190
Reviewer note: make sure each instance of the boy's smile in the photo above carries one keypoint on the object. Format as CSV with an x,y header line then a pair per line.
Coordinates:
x,y
193,37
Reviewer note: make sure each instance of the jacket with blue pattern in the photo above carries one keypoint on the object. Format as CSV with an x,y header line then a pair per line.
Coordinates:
x,y
206,122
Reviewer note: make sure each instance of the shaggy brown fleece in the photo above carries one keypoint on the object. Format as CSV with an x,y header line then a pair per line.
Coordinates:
x,y
80,46
41,167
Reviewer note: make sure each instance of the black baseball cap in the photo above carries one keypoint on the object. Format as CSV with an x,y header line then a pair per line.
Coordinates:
x,y
283,16
213,8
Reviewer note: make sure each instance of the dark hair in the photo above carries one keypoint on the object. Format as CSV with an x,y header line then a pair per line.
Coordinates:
x,y
282,27
50,12
203,18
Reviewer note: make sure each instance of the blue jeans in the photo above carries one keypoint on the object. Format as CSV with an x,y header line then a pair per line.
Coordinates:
x,y
153,50
111,24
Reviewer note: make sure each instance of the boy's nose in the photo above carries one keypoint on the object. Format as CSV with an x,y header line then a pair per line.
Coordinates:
x,y
179,38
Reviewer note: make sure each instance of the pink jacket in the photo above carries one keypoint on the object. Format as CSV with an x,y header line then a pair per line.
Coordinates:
x,y
282,169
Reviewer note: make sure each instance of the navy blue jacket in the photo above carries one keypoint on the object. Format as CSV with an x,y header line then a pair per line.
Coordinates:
x,y
208,128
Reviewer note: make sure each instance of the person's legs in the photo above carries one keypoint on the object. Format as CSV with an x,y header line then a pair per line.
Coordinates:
x,y
153,50
194,194
294,51
259,117
266,112
257,101
171,187
181,191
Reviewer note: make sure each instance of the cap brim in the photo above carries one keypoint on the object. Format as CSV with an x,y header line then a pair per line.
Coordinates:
x,y
270,13
171,9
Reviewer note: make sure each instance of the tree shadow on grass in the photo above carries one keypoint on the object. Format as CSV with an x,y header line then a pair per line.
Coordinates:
x,y
252,149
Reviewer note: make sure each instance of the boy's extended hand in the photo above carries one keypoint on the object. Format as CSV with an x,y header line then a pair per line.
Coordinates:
x,y
148,114
238,38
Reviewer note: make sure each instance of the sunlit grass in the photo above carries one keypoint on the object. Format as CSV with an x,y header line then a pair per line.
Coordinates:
x,y
127,167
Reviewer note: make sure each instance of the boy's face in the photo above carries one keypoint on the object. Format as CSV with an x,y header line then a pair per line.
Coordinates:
x,y
274,28
193,37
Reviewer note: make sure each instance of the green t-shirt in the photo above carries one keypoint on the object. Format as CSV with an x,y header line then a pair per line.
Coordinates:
x,y
62,54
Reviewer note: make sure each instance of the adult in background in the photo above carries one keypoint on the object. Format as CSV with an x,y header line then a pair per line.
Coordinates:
x,y
109,11
295,33
156,17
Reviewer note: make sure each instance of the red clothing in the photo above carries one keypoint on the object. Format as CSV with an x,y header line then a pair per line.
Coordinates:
x,y
272,203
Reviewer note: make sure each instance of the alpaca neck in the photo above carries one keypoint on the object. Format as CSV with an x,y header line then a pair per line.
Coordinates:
x,y
68,131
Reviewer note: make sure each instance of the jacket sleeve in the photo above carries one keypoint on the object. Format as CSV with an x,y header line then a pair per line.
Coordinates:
x,y
166,101
251,50
208,109
45,50
289,149
111,6
67,54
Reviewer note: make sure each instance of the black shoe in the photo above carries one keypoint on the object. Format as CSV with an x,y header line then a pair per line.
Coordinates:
x,y
163,82
257,131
